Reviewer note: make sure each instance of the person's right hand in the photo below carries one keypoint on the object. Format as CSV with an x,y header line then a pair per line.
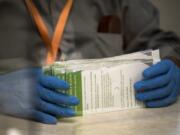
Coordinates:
x,y
31,95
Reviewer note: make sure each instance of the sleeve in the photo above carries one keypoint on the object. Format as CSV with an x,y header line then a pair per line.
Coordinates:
x,y
141,30
20,44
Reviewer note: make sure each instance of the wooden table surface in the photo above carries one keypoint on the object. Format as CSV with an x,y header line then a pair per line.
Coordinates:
x,y
162,121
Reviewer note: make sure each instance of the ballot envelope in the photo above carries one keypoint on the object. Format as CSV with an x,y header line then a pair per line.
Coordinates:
x,y
104,85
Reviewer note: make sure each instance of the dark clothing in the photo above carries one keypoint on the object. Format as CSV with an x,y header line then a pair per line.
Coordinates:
x,y
21,44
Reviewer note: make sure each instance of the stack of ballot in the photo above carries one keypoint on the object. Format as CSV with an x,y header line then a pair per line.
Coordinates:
x,y
104,85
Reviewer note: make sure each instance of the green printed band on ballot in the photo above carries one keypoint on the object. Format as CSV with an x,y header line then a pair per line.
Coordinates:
x,y
74,80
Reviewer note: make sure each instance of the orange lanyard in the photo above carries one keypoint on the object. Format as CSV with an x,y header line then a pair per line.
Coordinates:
x,y
52,44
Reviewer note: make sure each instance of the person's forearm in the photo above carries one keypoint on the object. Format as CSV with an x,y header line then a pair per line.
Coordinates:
x,y
142,31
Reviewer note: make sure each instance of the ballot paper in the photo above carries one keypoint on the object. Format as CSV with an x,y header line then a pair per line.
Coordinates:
x,y
104,85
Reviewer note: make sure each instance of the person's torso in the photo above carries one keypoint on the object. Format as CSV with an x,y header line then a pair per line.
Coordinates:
x,y
20,39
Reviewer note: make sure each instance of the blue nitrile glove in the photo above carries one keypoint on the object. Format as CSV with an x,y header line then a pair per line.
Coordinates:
x,y
161,85
29,94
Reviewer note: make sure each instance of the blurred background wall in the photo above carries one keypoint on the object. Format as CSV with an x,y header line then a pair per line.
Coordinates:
x,y
169,14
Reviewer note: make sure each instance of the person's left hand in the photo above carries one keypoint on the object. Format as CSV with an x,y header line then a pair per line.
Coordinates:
x,y
160,86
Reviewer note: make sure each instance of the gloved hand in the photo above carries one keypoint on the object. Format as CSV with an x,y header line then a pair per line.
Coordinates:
x,y
161,85
29,94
